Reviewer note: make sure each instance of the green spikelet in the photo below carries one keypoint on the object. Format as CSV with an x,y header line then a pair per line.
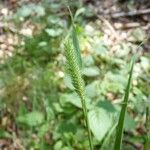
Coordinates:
x,y
74,69
78,82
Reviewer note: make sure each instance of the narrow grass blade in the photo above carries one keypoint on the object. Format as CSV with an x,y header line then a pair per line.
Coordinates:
x,y
120,126
146,142
75,39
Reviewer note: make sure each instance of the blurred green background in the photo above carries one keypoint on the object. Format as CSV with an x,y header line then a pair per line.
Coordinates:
x,y
38,108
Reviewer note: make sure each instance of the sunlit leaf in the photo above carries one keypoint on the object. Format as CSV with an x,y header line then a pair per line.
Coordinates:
x,y
31,119
43,129
74,99
54,32
100,122
91,71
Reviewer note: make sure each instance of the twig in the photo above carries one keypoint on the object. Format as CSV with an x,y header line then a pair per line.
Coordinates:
x,y
127,25
136,146
131,13
108,24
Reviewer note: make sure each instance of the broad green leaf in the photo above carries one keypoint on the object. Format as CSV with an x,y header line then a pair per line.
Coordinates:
x,y
145,63
58,145
43,130
65,148
24,11
40,11
108,106
53,20
92,90
4,134
88,61
31,119
56,21
68,82
123,49
89,30
108,136
54,32
117,78
115,87
27,10
55,7
120,126
129,123
113,83
91,71
74,100
42,44
100,48
100,122
57,107
138,35
67,127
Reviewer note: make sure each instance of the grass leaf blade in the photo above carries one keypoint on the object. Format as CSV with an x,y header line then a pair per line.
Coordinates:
x,y
76,45
120,126
146,141
75,40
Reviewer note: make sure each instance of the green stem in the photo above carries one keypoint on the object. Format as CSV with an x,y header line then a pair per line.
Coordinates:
x,y
146,143
84,108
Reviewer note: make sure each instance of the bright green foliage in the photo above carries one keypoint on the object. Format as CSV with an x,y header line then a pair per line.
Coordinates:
x,y
27,10
91,71
37,98
100,122
31,119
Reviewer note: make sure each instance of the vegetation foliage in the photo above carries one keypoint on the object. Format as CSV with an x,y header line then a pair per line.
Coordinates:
x,y
45,103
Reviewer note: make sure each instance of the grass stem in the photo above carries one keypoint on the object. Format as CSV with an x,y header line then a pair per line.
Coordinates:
x,y
84,108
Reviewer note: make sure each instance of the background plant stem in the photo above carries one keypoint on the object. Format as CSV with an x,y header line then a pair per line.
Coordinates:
x,y
146,143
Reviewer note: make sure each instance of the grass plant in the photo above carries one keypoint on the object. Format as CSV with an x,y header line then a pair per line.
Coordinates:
x,y
74,63
120,126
